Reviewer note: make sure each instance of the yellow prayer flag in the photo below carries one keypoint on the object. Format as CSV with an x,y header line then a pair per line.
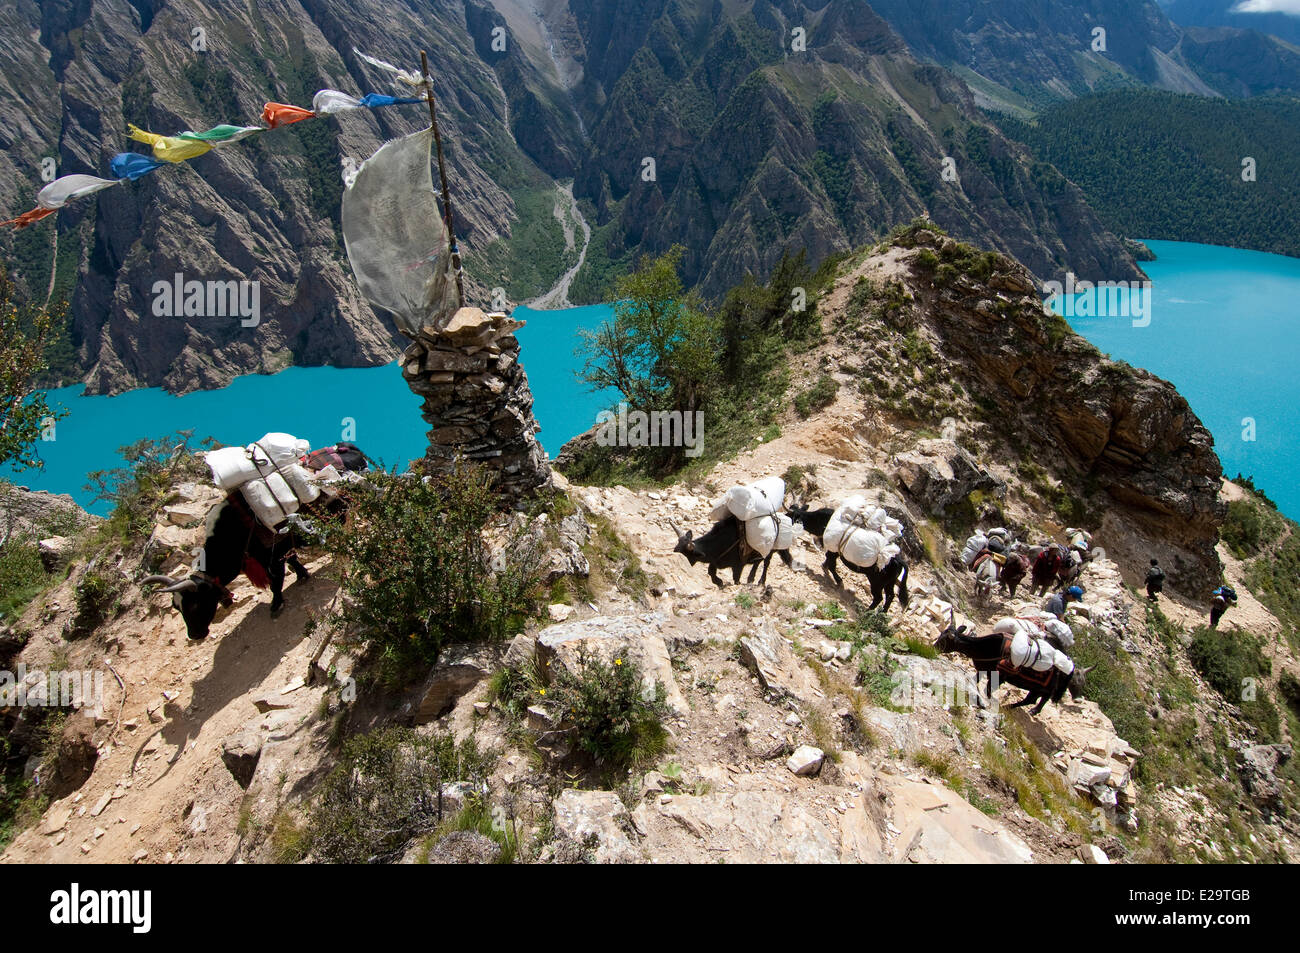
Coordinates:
x,y
169,148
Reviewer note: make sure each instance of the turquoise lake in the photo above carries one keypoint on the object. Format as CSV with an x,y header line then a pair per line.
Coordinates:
x,y
319,404
1223,326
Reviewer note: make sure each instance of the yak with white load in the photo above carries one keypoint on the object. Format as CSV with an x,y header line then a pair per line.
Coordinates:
x,y
748,529
255,531
865,538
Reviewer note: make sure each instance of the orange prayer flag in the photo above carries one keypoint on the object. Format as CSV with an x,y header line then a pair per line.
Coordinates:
x,y
25,219
281,114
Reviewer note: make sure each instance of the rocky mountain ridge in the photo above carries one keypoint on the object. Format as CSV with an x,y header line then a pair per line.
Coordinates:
x,y
757,149
803,728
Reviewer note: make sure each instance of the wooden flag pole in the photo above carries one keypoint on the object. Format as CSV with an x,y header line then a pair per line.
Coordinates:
x,y
442,174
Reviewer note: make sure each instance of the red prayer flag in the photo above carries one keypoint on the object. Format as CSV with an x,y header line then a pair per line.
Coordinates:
x,y
25,219
281,114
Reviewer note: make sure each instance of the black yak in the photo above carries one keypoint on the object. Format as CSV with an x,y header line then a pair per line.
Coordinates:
x,y
991,653
883,582
724,547
237,544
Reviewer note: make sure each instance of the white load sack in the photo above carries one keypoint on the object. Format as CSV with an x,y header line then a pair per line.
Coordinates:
x,y
974,546
1027,634
842,521
1038,655
275,494
883,523
301,482
1011,625
283,448
1064,634
784,532
867,548
231,466
766,533
719,511
861,533
764,498
270,499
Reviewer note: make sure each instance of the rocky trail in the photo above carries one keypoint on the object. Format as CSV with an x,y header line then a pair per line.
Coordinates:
x,y
761,699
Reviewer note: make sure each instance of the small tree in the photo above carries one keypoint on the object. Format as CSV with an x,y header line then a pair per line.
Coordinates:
x,y
138,490
661,348
24,413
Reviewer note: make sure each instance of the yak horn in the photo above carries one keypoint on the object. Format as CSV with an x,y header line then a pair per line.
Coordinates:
x,y
1085,671
170,584
675,529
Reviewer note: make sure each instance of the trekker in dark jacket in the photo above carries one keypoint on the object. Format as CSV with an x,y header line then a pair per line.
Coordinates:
x,y
1224,596
1155,580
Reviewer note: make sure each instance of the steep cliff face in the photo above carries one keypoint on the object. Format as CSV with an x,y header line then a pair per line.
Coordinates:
x,y
758,146
1121,439
1029,52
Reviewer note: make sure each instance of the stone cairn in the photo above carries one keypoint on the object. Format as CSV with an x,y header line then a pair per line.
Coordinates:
x,y
477,400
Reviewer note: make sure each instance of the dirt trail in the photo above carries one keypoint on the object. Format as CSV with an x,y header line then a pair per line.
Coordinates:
x,y
160,785
567,213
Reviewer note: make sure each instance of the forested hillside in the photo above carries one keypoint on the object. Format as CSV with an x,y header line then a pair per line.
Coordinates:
x,y
1168,166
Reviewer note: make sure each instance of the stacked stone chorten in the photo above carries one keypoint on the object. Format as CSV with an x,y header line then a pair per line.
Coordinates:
x,y
477,400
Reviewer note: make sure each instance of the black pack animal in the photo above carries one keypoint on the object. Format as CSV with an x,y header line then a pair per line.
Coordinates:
x,y
237,544
989,653
724,547
883,582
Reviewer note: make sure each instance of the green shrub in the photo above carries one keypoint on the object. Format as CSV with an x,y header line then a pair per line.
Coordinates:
x,y
417,573
385,791
797,478
617,720
1288,686
918,350
22,577
97,598
1235,666
1274,578
926,260
821,394
862,297
1250,526
1113,685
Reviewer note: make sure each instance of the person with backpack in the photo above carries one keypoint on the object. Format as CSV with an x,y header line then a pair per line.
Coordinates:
x,y
1224,596
1155,580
